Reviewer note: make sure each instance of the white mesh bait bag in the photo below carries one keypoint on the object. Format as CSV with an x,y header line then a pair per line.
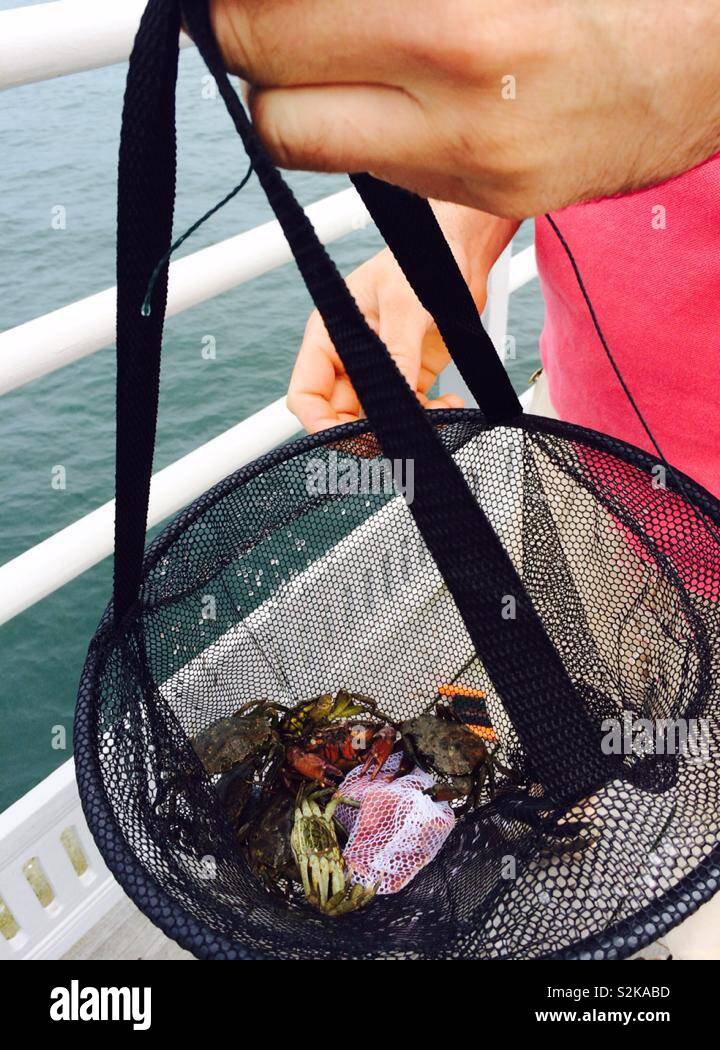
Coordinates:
x,y
356,785
398,828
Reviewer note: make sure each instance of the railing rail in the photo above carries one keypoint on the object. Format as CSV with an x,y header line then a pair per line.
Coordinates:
x,y
58,338
69,36
70,552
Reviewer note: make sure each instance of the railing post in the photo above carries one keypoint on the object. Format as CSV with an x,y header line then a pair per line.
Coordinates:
x,y
54,888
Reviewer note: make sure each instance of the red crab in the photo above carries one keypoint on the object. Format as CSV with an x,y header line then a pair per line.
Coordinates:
x,y
381,749
329,753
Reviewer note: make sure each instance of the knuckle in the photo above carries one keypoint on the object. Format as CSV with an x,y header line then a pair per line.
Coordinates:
x,y
465,46
247,37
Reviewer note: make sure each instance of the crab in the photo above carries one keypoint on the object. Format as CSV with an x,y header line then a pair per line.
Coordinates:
x,y
322,710
324,741
268,844
454,753
332,751
317,854
250,731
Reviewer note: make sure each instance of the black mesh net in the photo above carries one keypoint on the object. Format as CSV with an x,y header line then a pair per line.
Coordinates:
x,y
268,588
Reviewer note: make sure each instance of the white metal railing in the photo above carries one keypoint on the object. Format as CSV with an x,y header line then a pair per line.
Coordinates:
x,y
69,36
53,882
58,338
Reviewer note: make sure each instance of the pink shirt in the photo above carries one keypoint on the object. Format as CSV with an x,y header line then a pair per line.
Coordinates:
x,y
651,265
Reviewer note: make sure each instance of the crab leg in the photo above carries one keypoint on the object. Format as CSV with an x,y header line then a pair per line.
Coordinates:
x,y
303,866
358,897
338,879
321,872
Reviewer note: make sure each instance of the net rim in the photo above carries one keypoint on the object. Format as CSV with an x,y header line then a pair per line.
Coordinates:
x,y
623,450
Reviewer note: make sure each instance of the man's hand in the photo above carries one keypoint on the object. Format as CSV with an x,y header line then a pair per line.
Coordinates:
x,y
514,107
321,394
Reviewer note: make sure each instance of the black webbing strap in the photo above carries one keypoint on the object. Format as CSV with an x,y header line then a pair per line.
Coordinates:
x,y
146,199
411,231
550,718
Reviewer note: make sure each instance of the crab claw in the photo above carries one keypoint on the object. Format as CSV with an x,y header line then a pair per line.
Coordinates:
x,y
344,705
313,767
444,793
380,749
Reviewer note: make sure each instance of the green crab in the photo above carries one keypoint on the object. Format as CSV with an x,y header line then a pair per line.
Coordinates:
x,y
321,711
317,853
251,731
460,759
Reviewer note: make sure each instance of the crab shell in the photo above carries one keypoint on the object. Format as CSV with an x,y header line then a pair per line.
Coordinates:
x,y
446,748
268,842
322,869
230,741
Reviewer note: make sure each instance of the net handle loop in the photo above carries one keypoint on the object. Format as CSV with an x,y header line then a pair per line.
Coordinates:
x,y
548,714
